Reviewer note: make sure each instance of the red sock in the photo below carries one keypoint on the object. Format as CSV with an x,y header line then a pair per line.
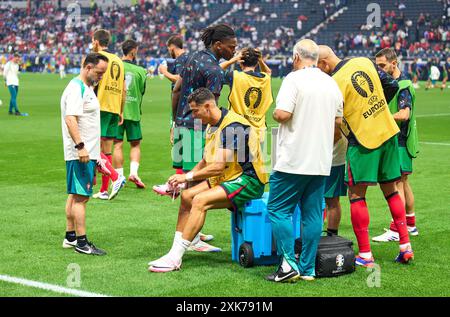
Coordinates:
x,y
393,227
112,172
105,178
179,171
398,213
360,222
411,220
324,214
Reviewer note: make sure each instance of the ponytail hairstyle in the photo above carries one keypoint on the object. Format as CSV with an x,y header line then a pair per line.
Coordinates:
x,y
217,33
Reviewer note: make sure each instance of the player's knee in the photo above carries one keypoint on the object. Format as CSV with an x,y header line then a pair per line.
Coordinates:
x,y
135,143
199,202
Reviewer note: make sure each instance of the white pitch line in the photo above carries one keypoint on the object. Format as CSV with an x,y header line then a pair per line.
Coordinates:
x,y
432,115
48,287
435,143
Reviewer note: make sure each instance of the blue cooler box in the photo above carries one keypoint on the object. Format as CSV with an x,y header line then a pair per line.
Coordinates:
x,y
251,234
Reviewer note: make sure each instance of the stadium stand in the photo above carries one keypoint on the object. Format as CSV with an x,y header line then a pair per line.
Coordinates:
x,y
40,33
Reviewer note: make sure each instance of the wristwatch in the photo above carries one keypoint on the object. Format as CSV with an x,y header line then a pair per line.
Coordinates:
x,y
79,146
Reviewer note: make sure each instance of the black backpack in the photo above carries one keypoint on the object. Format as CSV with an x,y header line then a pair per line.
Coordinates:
x,y
335,256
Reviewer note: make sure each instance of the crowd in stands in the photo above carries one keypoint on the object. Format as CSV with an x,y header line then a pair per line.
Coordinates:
x,y
48,31
425,37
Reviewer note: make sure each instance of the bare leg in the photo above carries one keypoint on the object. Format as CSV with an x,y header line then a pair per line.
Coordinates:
x,y
70,221
186,203
117,160
135,151
79,213
333,212
214,198
409,198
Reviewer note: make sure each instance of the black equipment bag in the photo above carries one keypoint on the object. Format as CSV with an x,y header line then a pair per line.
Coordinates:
x,y
335,256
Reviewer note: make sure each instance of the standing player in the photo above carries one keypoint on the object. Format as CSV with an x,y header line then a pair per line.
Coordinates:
x,y
135,77
402,107
61,59
111,93
176,51
414,71
11,75
433,74
372,155
446,72
80,118
251,91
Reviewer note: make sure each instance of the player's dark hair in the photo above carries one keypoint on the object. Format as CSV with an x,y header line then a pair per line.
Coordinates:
x,y
250,56
175,40
128,46
389,53
200,96
94,59
103,37
217,33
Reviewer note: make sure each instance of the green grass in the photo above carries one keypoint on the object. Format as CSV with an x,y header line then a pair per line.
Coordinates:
x,y
138,225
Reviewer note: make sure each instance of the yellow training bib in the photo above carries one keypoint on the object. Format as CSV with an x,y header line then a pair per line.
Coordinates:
x,y
233,169
366,111
251,97
110,88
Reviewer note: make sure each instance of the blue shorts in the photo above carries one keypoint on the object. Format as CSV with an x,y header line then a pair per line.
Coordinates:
x,y
334,184
80,177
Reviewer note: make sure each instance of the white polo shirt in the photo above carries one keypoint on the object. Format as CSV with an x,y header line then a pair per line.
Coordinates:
x,y
11,73
87,110
305,142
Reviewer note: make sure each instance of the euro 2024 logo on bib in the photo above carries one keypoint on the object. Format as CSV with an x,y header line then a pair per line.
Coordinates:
x,y
253,97
362,84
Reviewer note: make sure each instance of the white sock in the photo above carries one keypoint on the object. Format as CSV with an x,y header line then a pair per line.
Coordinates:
x,y
119,171
134,166
178,249
404,246
285,266
365,255
410,215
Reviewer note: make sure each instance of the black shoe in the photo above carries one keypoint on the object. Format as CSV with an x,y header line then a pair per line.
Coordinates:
x,y
279,276
89,248
11,113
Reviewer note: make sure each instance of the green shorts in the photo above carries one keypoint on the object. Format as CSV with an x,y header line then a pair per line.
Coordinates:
x,y
187,148
405,161
335,184
132,128
241,190
370,167
80,177
109,123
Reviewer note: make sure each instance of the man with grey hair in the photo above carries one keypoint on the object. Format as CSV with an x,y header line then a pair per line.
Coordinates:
x,y
308,106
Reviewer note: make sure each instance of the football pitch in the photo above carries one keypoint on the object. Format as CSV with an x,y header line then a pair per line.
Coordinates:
x,y
138,225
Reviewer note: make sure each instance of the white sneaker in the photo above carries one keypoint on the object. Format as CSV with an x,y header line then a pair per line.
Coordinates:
x,y
67,244
307,278
101,195
116,186
389,235
206,237
413,231
164,264
202,246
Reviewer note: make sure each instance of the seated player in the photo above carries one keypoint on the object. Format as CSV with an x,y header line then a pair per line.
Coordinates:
x,y
232,173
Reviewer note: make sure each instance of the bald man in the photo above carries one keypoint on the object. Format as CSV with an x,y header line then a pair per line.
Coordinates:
x,y
372,155
309,103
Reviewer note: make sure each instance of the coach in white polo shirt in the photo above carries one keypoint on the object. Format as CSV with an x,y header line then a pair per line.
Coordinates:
x,y
80,118
309,105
